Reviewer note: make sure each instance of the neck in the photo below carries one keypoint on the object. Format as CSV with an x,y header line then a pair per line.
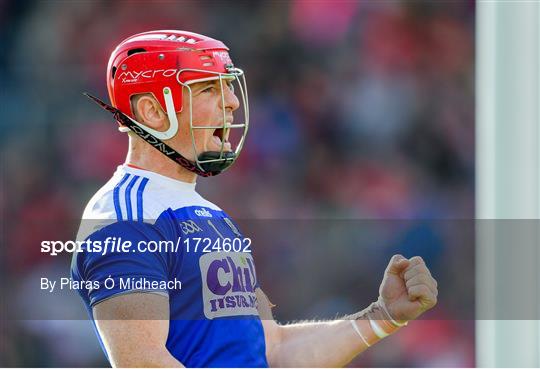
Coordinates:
x,y
142,155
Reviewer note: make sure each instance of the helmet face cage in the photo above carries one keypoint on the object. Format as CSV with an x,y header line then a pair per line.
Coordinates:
x,y
222,159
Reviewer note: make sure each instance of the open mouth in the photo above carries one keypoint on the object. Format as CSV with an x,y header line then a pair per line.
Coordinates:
x,y
217,141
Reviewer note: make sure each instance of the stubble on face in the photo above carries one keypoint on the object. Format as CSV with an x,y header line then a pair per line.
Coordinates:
x,y
206,111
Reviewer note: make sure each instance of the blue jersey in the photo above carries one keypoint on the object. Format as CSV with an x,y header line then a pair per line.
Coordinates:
x,y
204,266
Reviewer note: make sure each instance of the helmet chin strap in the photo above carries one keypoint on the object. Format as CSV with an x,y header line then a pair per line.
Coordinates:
x,y
155,140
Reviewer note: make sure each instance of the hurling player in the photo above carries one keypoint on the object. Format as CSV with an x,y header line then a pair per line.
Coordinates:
x,y
174,93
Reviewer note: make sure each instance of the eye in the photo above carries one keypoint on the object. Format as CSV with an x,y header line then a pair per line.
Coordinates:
x,y
208,89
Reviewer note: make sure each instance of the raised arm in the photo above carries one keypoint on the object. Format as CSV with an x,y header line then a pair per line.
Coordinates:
x,y
407,291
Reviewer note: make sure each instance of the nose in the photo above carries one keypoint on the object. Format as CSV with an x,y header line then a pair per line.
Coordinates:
x,y
231,100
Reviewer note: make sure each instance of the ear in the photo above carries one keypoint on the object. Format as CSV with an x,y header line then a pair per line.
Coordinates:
x,y
149,112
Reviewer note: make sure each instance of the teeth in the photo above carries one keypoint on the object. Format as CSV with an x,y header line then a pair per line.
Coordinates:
x,y
217,141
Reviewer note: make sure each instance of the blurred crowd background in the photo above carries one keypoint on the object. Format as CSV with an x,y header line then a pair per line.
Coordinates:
x,y
361,140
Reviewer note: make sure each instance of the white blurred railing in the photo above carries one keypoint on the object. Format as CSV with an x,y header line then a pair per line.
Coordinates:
x,y
508,179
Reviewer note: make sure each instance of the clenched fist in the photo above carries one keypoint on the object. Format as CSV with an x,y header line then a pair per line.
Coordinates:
x,y
408,289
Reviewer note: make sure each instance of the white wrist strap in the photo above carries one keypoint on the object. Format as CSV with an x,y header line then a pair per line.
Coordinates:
x,y
392,320
357,330
379,332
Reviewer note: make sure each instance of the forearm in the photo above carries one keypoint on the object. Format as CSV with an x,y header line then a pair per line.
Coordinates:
x,y
407,291
327,344
317,344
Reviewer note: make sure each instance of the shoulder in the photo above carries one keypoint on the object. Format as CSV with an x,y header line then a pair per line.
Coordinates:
x,y
137,195
120,199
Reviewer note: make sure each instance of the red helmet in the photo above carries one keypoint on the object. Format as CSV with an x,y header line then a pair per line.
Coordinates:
x,y
150,61
162,63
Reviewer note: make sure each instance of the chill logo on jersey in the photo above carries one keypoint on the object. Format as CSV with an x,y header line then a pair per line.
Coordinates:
x,y
228,284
